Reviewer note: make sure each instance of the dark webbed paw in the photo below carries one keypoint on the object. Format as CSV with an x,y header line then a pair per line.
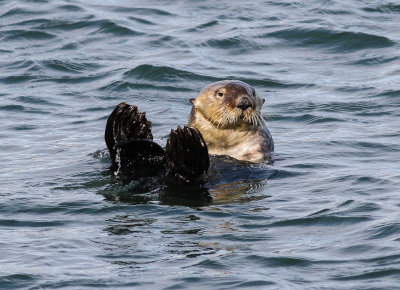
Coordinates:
x,y
126,122
187,155
130,123
139,157
128,138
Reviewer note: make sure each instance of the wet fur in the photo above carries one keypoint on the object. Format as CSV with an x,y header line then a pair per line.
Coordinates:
x,y
133,153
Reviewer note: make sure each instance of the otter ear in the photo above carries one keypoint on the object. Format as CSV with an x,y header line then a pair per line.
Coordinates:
x,y
263,101
193,101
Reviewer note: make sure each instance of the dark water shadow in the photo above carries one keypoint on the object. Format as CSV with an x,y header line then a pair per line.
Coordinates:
x,y
227,181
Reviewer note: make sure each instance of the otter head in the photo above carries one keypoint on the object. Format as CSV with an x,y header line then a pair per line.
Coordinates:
x,y
229,103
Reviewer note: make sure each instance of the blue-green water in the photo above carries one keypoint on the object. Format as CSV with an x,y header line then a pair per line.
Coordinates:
x,y
325,215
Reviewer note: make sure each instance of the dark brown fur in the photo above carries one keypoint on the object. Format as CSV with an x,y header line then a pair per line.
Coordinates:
x,y
129,140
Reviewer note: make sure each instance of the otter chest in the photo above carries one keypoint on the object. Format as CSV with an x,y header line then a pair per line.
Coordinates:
x,y
242,145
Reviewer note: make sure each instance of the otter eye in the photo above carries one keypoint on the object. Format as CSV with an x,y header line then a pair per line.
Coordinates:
x,y
254,92
220,94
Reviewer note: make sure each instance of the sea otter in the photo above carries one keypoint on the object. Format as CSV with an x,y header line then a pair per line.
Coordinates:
x,y
225,120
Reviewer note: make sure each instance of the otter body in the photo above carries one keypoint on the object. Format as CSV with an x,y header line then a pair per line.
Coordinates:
x,y
225,120
227,113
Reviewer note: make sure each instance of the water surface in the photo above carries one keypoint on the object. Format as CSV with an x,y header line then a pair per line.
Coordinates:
x,y
326,214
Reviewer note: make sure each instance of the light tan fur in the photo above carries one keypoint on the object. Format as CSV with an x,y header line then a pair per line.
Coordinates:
x,y
227,127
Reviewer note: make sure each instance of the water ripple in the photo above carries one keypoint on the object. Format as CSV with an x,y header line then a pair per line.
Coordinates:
x,y
18,280
24,223
111,27
19,35
280,261
371,275
68,66
144,11
121,86
330,220
336,41
21,12
384,9
162,73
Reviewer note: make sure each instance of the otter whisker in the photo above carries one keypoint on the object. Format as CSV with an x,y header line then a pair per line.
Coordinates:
x,y
257,120
212,116
254,120
220,113
260,121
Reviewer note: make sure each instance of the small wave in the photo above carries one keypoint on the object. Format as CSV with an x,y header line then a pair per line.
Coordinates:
x,y
102,26
371,275
122,86
307,118
111,27
205,25
271,83
386,9
69,66
331,11
37,23
280,174
141,20
24,128
26,223
280,261
163,74
313,119
331,220
21,12
356,107
252,284
337,41
18,281
366,207
166,41
375,145
36,100
17,79
66,79
226,43
312,165
144,11
12,108
63,24
70,8
25,109
331,107
389,93
384,231
20,64
234,45
370,61
11,35
22,72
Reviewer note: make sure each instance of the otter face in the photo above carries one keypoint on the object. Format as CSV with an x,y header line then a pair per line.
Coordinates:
x,y
229,103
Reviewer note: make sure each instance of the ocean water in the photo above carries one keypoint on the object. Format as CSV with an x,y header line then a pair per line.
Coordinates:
x,y
324,215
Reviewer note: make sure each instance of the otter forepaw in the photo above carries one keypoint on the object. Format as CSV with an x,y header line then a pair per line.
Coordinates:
x,y
125,123
186,155
138,157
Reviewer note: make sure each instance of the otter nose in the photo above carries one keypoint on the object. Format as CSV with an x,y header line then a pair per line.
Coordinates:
x,y
244,103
